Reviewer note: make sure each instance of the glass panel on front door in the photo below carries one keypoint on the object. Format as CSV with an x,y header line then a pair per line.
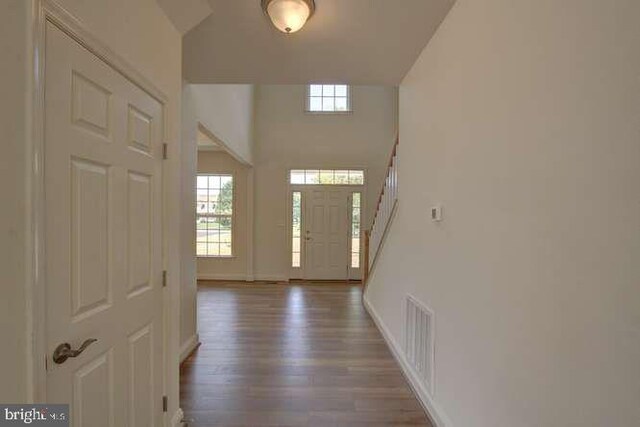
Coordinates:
x,y
356,210
296,239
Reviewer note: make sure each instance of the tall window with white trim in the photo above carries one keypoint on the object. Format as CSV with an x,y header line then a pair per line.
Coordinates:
x,y
214,216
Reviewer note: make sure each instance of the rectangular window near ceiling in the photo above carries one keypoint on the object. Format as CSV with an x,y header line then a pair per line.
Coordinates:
x,y
296,236
356,218
328,98
326,177
214,215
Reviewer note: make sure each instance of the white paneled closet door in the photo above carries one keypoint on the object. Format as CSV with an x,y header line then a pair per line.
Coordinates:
x,y
103,169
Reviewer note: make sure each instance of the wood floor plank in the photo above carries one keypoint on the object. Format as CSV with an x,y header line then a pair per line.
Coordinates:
x,y
292,355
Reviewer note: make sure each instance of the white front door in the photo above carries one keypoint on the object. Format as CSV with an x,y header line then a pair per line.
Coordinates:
x,y
103,172
326,224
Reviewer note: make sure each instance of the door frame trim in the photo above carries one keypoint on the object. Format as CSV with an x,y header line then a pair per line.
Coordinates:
x,y
299,273
44,11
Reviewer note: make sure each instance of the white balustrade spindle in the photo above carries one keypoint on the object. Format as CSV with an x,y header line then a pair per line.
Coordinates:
x,y
385,209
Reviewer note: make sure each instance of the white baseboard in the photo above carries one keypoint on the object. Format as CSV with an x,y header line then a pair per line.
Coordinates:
x,y
188,346
433,410
176,420
270,278
243,277
232,277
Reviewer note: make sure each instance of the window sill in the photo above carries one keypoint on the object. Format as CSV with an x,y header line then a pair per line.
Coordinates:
x,y
216,257
329,113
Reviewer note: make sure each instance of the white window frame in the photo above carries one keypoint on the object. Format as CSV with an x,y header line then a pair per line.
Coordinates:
x,y
231,216
324,170
307,100
300,238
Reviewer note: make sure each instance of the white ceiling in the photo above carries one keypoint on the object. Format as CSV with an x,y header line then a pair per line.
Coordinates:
x,y
350,41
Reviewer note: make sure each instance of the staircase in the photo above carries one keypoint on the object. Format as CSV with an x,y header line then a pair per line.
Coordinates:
x,y
385,209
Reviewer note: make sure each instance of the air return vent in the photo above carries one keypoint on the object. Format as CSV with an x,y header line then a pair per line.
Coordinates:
x,y
419,341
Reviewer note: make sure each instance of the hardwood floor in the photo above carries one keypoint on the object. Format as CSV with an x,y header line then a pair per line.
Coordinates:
x,y
292,355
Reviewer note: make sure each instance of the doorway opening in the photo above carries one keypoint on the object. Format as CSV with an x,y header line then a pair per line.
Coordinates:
x,y
325,207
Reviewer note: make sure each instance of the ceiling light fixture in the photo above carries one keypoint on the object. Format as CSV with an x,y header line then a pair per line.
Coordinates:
x,y
289,16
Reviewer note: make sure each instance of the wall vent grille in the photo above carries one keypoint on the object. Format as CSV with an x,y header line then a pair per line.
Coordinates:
x,y
419,341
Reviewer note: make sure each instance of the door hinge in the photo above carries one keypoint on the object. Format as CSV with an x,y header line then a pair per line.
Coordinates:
x,y
164,279
165,403
165,151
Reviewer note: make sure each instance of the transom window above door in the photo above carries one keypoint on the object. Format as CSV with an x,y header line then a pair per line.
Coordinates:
x,y
328,99
326,177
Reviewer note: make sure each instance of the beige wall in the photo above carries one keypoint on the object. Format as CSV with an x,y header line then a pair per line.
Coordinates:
x,y
188,287
235,268
227,111
140,33
523,119
286,137
14,131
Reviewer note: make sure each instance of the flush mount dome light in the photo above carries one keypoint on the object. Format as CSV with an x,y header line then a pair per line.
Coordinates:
x,y
289,16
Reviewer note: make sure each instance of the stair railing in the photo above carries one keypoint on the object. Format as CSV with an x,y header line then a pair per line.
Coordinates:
x,y
385,210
